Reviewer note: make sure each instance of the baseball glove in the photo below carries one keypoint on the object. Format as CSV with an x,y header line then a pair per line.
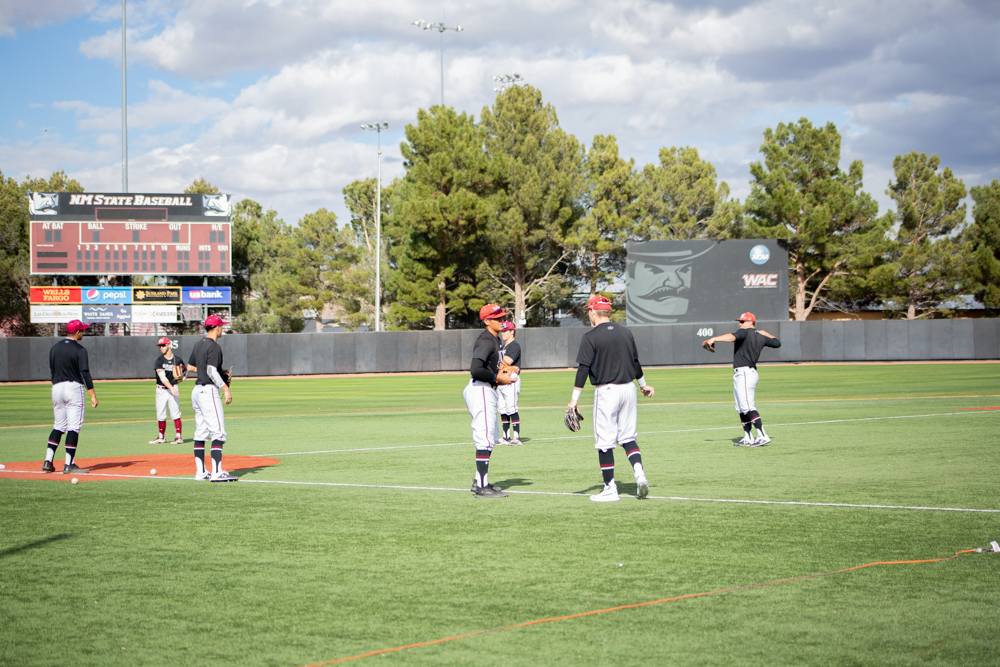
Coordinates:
x,y
709,347
179,371
572,419
227,375
505,373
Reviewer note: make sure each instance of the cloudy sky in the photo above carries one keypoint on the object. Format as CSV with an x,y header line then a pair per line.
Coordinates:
x,y
264,98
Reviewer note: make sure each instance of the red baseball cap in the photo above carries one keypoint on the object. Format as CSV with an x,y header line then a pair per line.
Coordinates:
x,y
75,325
508,326
746,317
491,311
214,321
598,302
164,341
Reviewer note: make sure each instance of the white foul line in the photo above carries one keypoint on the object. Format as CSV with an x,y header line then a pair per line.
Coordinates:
x,y
683,430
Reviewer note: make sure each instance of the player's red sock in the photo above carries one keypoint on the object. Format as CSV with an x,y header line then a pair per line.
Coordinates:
x,y
177,427
163,427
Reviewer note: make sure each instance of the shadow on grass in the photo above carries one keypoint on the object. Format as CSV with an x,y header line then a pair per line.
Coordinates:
x,y
514,481
35,544
595,488
248,471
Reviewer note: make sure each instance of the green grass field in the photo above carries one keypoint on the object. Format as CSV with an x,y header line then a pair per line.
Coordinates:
x,y
365,537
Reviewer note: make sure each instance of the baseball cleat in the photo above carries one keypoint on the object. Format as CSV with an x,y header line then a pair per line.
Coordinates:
x,y
761,441
515,442
74,469
490,492
201,476
159,441
504,441
608,495
745,442
177,441
223,476
48,467
491,486
641,487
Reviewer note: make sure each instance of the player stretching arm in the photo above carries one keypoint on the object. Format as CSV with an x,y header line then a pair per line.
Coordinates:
x,y
749,344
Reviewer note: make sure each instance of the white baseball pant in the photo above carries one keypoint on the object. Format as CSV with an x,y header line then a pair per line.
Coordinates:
x,y
744,388
165,400
69,406
481,400
508,393
209,419
614,414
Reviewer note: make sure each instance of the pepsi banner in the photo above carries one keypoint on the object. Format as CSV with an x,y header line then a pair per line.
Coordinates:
x,y
705,281
207,295
122,295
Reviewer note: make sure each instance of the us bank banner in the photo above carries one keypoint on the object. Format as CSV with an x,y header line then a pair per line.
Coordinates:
x,y
705,281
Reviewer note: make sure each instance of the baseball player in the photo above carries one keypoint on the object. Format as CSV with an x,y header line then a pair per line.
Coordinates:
x,y
508,393
70,368
481,397
167,395
749,342
209,417
609,357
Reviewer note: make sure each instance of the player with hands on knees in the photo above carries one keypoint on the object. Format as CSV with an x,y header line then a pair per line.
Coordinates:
x,y
170,370
749,343
608,356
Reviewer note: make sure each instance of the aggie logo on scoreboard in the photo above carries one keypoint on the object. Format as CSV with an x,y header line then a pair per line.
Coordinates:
x,y
207,295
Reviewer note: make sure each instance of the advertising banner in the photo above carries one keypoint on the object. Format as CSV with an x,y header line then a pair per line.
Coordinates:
x,y
99,314
162,314
55,295
156,295
122,295
57,314
207,295
705,281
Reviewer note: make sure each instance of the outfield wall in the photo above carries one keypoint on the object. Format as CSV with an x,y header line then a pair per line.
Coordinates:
x,y
126,357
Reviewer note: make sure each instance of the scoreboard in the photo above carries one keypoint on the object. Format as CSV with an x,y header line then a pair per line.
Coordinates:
x,y
120,234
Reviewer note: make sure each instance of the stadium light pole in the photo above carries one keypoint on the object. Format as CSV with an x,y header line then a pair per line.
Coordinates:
x,y
378,127
440,27
506,80
124,112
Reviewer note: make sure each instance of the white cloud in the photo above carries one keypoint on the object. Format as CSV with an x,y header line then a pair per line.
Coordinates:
x,y
24,15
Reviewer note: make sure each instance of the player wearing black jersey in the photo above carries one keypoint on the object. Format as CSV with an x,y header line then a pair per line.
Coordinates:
x,y
481,397
70,368
508,393
167,394
608,356
209,417
749,344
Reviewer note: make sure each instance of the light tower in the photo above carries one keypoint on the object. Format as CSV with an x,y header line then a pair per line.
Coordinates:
x,y
377,128
440,27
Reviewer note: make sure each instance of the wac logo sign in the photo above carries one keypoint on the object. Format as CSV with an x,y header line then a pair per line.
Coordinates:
x,y
760,280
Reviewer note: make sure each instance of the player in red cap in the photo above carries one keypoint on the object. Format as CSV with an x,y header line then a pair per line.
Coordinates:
x,y
209,418
167,394
70,368
481,397
608,356
749,344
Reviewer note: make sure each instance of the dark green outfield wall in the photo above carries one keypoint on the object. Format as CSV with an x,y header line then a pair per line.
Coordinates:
x,y
124,357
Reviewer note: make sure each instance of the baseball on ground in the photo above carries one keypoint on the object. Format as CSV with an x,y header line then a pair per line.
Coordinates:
x,y
153,471
75,480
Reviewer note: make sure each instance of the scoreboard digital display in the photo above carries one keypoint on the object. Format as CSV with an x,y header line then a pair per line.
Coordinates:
x,y
119,234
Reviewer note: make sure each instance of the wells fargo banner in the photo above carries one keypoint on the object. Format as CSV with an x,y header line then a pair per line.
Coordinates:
x,y
55,295
156,295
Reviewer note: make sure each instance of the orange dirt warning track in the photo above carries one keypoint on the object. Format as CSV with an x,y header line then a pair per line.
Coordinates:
x,y
130,467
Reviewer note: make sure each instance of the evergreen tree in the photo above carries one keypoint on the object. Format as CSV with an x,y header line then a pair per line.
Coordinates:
x,y
611,202
354,285
799,194
924,263
440,208
681,200
983,235
536,168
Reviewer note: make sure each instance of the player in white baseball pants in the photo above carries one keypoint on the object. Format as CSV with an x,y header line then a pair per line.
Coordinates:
x,y
481,400
744,387
69,406
209,418
615,415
